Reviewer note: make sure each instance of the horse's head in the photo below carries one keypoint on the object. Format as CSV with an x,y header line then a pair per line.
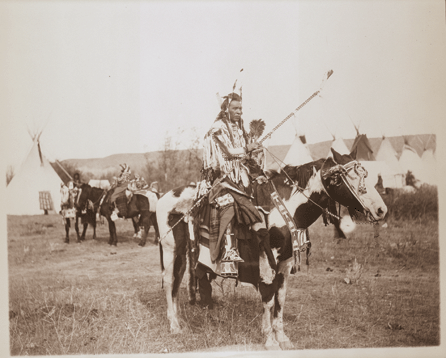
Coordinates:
x,y
82,196
344,180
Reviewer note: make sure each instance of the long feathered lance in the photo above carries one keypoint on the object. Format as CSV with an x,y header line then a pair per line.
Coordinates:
x,y
326,77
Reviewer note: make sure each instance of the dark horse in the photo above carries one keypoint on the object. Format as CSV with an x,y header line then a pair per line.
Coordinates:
x,y
138,209
340,178
69,199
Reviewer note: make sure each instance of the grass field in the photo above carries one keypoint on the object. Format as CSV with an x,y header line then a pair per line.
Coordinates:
x,y
90,298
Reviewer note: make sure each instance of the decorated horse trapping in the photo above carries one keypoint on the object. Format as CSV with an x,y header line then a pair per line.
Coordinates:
x,y
299,237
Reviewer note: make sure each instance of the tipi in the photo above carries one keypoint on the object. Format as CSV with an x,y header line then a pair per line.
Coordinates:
x,y
35,189
339,146
298,153
386,153
410,160
363,148
429,167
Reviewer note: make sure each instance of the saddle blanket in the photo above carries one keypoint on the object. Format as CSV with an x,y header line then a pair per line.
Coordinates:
x,y
153,198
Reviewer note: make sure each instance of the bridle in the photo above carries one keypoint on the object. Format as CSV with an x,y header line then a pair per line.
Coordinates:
x,y
340,174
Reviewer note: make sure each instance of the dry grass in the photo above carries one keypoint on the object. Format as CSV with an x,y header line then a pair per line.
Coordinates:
x,y
92,299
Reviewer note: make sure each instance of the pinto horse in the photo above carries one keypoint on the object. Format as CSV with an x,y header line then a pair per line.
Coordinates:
x,y
340,178
138,210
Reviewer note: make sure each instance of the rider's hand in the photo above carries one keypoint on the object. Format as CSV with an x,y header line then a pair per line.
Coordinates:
x,y
252,146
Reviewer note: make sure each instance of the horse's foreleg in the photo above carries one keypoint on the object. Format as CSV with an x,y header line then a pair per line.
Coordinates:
x,y
268,290
115,235
94,226
84,230
76,228
267,330
67,231
110,229
283,275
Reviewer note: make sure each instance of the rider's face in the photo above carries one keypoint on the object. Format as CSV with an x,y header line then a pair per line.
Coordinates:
x,y
235,110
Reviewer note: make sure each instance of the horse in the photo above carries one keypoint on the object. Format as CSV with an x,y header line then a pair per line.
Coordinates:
x,y
68,201
139,211
340,178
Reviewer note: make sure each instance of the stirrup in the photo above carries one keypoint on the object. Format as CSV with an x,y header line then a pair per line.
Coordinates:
x,y
232,255
229,269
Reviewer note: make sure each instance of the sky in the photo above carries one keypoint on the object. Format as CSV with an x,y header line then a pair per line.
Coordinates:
x,y
107,77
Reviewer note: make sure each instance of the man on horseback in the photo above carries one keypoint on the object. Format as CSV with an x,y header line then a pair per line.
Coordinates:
x,y
226,149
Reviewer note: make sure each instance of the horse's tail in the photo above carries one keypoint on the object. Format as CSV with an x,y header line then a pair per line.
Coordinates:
x,y
192,256
162,263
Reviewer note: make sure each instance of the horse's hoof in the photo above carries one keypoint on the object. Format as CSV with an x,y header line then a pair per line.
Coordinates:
x,y
176,330
271,344
273,347
285,345
142,244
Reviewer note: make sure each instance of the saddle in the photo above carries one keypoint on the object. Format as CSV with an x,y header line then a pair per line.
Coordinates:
x,y
228,207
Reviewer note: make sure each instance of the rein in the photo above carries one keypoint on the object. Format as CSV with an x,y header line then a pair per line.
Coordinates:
x,y
301,190
217,182
104,191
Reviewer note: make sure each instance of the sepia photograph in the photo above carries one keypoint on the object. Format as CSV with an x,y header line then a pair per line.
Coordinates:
x,y
222,178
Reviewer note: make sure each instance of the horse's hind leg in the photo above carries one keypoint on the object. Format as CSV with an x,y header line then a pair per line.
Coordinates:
x,y
181,237
135,223
167,255
168,283
145,223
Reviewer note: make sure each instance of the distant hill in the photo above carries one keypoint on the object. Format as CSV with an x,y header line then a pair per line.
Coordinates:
x,y
138,162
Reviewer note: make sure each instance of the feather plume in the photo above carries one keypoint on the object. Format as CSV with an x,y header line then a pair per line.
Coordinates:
x,y
256,128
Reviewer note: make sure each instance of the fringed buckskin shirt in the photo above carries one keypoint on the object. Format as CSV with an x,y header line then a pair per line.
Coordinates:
x,y
220,137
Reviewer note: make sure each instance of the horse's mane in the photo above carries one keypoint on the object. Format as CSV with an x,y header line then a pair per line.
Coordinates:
x,y
94,193
301,173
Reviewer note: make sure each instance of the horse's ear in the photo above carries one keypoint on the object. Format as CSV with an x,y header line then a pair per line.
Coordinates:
x,y
354,153
336,156
314,170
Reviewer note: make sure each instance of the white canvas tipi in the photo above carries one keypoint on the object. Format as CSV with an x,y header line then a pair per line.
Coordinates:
x,y
386,153
410,160
339,146
35,186
298,153
429,167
